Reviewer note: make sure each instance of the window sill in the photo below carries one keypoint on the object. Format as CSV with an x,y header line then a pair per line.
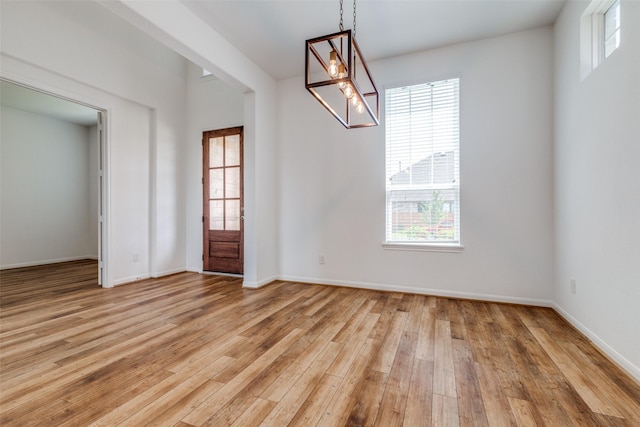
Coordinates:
x,y
423,247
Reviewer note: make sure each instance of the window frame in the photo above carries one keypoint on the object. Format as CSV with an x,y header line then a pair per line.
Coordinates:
x,y
615,33
454,246
592,35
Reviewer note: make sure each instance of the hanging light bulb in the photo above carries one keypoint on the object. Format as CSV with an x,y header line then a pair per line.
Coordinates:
x,y
348,91
342,73
333,66
360,108
355,100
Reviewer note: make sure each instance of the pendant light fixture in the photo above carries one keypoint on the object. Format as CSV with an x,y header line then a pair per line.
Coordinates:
x,y
337,75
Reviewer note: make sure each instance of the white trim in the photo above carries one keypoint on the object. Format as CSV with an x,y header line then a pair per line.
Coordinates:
x,y
421,291
127,280
168,272
610,352
47,261
215,273
133,279
260,283
152,264
422,247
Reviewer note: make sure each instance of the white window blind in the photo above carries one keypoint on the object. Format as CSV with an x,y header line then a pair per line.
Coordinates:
x,y
423,163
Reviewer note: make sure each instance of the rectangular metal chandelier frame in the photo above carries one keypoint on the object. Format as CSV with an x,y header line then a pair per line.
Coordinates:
x,y
364,88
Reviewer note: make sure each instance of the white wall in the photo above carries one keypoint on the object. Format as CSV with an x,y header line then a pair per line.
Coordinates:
x,y
211,104
83,52
45,193
332,181
597,187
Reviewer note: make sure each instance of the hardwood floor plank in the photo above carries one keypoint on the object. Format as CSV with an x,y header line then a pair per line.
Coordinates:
x,y
258,343
495,401
499,337
353,324
164,390
396,392
339,407
523,411
91,409
171,407
283,383
190,350
385,357
345,359
420,396
367,398
566,407
255,413
532,382
628,404
470,405
445,411
581,383
201,413
291,402
312,408
22,394
444,382
426,336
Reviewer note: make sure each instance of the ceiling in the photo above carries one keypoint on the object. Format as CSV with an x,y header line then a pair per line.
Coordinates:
x,y
272,32
22,98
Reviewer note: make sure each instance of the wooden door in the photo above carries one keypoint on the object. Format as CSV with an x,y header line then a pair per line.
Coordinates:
x,y
223,218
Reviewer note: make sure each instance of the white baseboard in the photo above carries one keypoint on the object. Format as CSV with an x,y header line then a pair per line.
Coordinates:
x,y
258,284
47,261
130,279
610,352
213,273
168,272
422,291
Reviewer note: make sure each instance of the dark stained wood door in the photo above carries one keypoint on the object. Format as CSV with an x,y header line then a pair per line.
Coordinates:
x,y
223,218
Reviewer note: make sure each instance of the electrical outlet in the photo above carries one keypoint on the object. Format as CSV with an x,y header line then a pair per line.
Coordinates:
x,y
321,259
573,285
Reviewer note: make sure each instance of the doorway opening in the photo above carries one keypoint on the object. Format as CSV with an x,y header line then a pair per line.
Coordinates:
x,y
223,208
54,197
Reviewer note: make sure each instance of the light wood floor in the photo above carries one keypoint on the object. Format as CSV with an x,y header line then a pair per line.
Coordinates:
x,y
193,350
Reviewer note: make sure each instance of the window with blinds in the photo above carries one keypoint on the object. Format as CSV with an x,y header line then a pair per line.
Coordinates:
x,y
423,163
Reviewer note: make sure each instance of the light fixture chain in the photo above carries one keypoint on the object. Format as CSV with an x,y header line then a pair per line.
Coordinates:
x,y
341,26
354,19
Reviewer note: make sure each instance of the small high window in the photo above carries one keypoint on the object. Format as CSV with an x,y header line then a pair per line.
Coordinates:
x,y
599,34
612,28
